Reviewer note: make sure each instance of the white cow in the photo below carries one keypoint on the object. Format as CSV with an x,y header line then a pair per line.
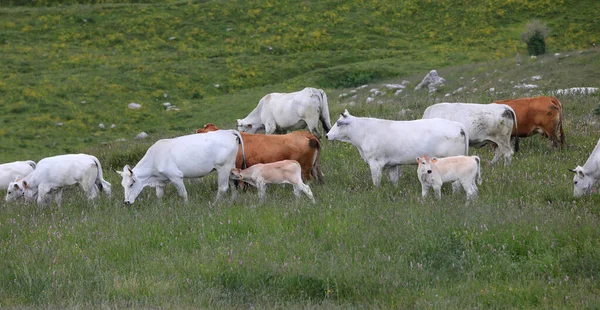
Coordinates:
x,y
190,156
461,170
53,174
388,144
279,172
485,123
11,171
281,112
586,176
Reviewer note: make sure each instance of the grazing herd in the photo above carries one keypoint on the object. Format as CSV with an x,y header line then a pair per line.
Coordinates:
x,y
439,142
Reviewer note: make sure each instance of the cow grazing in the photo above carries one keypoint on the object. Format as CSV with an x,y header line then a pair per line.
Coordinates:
x,y
461,170
484,122
541,114
279,172
586,176
281,112
301,146
386,144
11,171
190,156
53,174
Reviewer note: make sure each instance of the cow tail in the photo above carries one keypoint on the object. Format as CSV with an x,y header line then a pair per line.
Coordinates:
x,y
241,142
102,184
478,169
560,121
465,133
31,163
324,117
516,128
316,171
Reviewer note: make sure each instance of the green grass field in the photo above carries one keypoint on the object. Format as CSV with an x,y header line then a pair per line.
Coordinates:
x,y
525,243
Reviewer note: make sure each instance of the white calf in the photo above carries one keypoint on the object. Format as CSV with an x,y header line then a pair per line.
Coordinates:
x,y
461,170
279,172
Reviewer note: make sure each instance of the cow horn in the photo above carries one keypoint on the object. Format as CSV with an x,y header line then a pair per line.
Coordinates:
x,y
572,170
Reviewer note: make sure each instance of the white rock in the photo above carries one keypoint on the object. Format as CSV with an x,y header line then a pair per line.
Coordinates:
x,y
398,92
101,125
134,105
343,95
526,86
405,82
217,85
352,103
431,80
556,54
491,90
370,100
362,86
404,112
172,38
393,86
59,124
167,104
141,135
458,90
447,95
121,140
165,95
353,91
536,77
576,91
113,126
533,57
354,97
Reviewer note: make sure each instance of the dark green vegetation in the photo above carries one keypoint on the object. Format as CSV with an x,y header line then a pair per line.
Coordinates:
x,y
526,243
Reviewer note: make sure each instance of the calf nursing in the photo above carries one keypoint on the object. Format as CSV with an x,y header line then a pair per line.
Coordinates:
x,y
461,170
280,172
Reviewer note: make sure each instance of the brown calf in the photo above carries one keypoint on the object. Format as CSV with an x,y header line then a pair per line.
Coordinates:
x,y
301,146
538,114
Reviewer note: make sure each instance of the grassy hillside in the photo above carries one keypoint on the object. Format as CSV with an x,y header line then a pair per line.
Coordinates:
x,y
80,65
525,243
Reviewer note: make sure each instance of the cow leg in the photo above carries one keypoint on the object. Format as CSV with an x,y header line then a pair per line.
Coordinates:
x,y
58,197
270,128
223,180
456,185
437,188
160,190
43,192
313,126
424,189
471,189
376,169
503,150
393,174
262,190
306,190
178,182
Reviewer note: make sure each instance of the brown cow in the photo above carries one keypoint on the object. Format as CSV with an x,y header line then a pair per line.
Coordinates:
x,y
541,114
301,146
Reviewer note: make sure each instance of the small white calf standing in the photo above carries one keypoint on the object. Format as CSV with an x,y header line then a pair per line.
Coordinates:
x,y
52,174
279,172
461,170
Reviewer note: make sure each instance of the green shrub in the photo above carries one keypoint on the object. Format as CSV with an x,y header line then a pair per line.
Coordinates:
x,y
535,37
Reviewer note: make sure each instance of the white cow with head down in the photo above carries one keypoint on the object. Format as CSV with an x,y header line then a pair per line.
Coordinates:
x,y
17,169
53,174
190,156
386,144
484,122
586,176
280,112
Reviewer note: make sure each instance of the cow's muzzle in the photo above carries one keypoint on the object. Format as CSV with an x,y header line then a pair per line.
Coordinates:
x,y
128,203
428,171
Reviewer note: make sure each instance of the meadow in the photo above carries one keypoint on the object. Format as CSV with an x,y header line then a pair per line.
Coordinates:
x,y
525,243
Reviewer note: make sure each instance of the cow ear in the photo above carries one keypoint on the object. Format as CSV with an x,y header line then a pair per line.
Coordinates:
x,y
239,122
249,125
580,173
418,160
24,184
16,186
345,113
434,160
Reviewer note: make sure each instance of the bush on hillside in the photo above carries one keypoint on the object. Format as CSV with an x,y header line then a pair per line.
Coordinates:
x,y
535,37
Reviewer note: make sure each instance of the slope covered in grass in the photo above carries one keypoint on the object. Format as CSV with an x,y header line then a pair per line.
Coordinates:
x,y
80,65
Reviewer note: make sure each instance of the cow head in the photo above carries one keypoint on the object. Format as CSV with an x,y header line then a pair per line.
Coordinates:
x,y
208,127
582,182
132,187
19,188
424,163
236,175
245,126
339,131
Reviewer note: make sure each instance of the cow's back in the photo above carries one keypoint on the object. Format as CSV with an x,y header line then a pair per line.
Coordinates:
x,y
195,155
65,169
262,149
536,112
403,141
